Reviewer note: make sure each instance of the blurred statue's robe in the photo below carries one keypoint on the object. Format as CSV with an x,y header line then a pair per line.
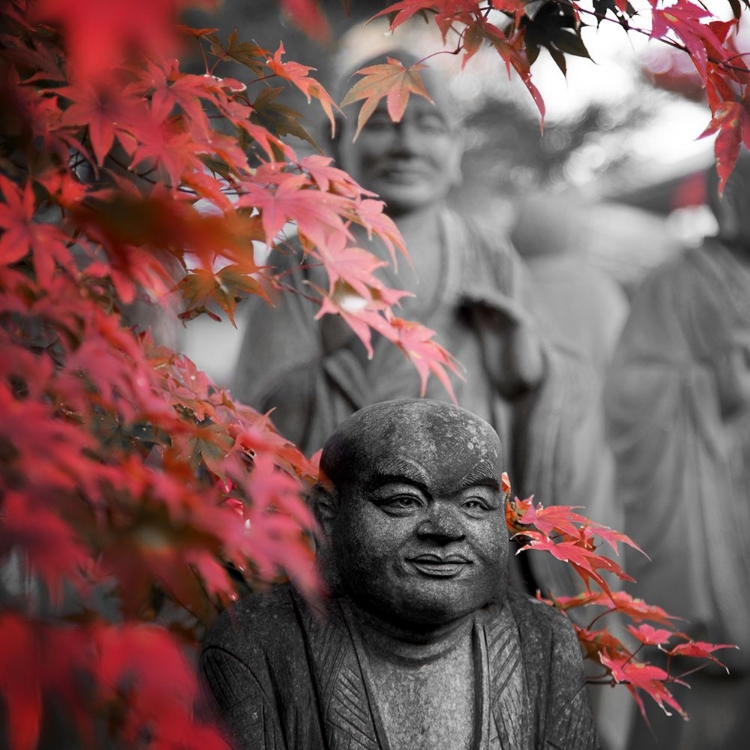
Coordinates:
x,y
552,434
283,677
678,400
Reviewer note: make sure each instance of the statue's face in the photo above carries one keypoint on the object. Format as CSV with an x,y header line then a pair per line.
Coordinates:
x,y
420,537
409,164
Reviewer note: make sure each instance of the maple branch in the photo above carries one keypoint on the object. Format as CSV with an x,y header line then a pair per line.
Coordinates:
x,y
141,175
263,78
600,615
670,678
603,680
634,654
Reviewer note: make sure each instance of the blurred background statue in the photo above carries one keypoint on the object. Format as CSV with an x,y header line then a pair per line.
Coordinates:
x,y
678,399
470,287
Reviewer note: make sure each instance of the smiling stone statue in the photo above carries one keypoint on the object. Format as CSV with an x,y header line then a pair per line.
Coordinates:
x,y
421,645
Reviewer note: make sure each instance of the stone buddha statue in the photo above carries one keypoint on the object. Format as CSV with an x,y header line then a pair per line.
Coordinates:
x,y
421,645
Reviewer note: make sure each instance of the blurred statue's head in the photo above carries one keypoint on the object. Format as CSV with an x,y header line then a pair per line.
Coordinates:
x,y
412,163
411,502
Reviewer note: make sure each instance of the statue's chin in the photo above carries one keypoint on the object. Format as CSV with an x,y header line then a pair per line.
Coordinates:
x,y
421,614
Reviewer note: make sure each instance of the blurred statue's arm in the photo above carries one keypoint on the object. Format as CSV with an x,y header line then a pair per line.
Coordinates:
x,y
294,364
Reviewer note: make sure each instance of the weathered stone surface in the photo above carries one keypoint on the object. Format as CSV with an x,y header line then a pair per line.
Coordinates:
x,y
421,646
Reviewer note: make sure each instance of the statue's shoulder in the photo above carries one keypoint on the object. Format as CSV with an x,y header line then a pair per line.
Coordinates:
x,y
537,620
488,259
260,621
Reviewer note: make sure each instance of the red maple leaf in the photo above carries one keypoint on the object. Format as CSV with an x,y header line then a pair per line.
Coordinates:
x,y
649,635
169,88
700,650
731,120
20,664
638,676
26,425
100,34
505,483
610,536
278,514
390,80
22,234
560,520
371,215
586,562
477,29
288,198
146,662
355,267
355,311
447,13
298,75
306,14
401,12
105,111
513,52
555,518
596,642
684,20
331,179
571,602
50,546
635,609
427,356
164,142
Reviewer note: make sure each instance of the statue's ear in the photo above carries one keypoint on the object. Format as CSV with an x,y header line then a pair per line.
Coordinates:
x,y
324,501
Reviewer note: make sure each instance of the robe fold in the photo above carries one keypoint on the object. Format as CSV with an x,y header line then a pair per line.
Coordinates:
x,y
284,678
678,401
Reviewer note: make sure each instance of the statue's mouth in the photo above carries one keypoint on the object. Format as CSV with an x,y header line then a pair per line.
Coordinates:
x,y
440,566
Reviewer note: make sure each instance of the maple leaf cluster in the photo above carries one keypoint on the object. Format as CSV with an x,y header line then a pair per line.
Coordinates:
x,y
517,30
137,497
576,540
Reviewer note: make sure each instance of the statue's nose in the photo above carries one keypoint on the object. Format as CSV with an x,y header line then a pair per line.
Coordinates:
x,y
441,525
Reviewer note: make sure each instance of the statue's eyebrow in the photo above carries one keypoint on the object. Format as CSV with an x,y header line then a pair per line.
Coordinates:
x,y
481,474
383,479
401,471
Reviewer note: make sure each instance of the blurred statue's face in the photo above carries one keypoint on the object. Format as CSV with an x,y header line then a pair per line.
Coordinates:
x,y
409,164
420,537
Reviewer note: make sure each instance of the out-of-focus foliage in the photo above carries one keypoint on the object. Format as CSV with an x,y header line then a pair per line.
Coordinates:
x,y
576,540
135,493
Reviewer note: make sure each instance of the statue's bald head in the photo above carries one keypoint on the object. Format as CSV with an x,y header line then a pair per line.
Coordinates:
x,y
410,499
435,434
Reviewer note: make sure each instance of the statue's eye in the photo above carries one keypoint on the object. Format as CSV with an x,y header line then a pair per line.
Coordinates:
x,y
476,505
379,122
406,501
432,124
401,504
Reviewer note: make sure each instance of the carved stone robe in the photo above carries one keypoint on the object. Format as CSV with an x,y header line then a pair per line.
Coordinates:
x,y
283,678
